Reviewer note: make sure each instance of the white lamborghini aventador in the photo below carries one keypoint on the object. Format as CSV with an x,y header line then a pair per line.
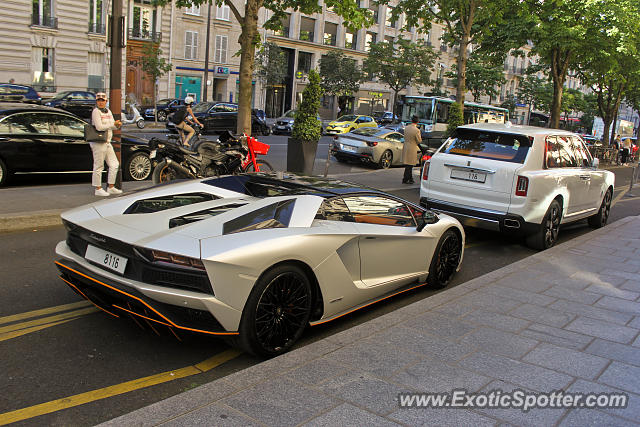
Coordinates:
x,y
255,257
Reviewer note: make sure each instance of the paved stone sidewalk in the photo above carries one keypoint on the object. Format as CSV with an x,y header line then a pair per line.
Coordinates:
x,y
567,318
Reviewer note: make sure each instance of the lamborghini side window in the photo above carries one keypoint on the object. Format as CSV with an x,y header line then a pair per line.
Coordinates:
x,y
334,210
379,210
276,215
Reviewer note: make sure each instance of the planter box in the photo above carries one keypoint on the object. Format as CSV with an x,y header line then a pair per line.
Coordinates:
x,y
301,155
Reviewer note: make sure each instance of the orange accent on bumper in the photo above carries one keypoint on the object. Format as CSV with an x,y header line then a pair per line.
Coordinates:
x,y
169,322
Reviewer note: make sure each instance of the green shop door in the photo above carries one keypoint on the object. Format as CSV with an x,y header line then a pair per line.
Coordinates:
x,y
188,85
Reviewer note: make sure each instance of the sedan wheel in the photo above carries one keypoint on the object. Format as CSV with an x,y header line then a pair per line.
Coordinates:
x,y
385,160
277,311
162,116
445,259
4,173
138,167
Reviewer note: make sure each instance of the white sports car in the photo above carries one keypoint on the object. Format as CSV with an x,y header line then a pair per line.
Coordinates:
x,y
255,257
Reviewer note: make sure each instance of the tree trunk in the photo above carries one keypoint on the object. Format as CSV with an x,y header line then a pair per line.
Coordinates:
x,y
556,104
247,60
559,62
462,53
395,103
155,97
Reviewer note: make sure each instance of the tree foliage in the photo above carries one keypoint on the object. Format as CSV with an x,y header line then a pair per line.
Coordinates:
x,y
535,92
466,22
354,17
271,64
306,126
482,76
611,64
341,76
155,67
400,64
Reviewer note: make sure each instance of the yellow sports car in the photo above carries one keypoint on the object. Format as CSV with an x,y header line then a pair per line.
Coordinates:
x,y
348,123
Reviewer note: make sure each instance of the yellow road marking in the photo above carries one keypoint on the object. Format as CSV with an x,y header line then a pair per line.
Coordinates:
x,y
629,199
103,393
50,319
619,196
44,311
10,335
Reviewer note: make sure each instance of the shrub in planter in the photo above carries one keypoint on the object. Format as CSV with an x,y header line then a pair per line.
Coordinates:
x,y
303,144
455,117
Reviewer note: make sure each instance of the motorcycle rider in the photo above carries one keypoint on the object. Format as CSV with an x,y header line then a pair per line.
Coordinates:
x,y
181,119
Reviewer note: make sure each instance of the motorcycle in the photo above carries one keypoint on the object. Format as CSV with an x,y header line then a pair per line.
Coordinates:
x,y
136,118
227,156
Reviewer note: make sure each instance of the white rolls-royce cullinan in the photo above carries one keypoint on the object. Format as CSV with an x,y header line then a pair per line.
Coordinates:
x,y
254,257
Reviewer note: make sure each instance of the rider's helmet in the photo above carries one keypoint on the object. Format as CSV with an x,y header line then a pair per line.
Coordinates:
x,y
188,100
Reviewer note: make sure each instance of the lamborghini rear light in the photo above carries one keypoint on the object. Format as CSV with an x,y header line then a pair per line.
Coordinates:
x,y
425,171
522,186
177,259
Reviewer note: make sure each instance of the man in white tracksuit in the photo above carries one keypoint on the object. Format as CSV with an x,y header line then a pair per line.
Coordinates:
x,y
102,120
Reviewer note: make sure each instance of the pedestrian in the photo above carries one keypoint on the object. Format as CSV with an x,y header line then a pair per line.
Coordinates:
x,y
615,145
626,149
102,120
410,149
12,81
181,120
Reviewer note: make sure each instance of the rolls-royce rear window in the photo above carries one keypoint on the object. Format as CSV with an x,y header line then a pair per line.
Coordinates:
x,y
505,147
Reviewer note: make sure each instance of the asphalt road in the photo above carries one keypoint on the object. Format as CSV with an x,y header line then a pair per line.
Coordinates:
x,y
71,365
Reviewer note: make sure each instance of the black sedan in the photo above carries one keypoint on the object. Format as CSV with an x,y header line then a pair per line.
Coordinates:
x,y
19,93
220,117
165,107
35,138
80,103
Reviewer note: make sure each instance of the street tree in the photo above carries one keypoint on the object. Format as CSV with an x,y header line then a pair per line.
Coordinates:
x,y
271,65
155,67
341,77
353,16
611,65
400,64
482,76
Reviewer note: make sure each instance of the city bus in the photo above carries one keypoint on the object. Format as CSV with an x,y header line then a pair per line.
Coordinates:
x,y
433,115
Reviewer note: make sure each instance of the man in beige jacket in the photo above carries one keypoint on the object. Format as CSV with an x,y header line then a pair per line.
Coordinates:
x,y
410,149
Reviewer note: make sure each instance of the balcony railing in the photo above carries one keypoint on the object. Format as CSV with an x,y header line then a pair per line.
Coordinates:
x,y
138,34
307,35
44,21
96,28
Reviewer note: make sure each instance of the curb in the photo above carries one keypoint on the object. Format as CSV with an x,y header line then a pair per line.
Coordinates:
x,y
27,220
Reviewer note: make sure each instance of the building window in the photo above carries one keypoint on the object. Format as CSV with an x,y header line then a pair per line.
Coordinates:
x,y
220,55
374,9
351,40
43,69
285,22
369,40
192,10
142,22
304,62
389,21
96,22
222,12
95,73
307,28
327,102
191,45
330,34
42,14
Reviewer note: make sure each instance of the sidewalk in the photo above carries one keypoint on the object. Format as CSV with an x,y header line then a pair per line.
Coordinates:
x,y
29,207
564,319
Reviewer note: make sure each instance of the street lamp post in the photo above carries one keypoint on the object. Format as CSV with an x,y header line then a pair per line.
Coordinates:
x,y
118,41
206,56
